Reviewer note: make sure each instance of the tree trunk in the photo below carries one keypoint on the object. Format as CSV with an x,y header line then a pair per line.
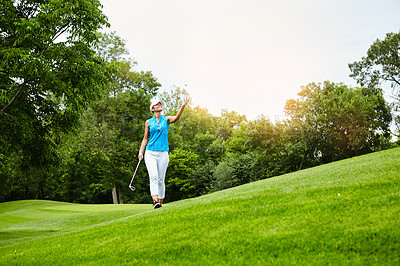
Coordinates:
x,y
120,200
40,188
302,161
114,196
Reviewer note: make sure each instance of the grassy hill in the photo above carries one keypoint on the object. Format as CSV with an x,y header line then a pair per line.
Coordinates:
x,y
345,212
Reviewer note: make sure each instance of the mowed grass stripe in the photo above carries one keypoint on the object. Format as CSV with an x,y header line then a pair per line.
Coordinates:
x,y
38,219
340,213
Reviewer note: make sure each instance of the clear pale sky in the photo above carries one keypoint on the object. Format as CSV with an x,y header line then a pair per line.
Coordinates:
x,y
249,56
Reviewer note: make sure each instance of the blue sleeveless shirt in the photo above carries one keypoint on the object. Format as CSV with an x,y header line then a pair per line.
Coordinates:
x,y
158,134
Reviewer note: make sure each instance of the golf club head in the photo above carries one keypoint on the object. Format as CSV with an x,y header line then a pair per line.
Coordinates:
x,y
132,188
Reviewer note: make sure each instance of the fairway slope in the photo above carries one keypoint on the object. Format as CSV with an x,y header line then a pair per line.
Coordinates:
x,y
31,219
339,213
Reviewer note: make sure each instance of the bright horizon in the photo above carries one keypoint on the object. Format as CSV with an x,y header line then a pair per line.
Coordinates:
x,y
249,56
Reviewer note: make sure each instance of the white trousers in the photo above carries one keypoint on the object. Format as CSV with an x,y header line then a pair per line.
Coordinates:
x,y
157,163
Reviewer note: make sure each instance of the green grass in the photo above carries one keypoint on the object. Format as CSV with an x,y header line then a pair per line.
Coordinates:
x,y
341,213
26,220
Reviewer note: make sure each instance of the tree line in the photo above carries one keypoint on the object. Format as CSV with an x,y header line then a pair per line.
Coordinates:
x,y
73,112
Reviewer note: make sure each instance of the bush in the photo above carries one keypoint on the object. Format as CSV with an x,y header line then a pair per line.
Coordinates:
x,y
180,168
224,177
203,178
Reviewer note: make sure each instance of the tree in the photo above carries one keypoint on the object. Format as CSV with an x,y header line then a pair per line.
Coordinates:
x,y
239,140
382,64
49,74
202,178
337,122
173,100
229,122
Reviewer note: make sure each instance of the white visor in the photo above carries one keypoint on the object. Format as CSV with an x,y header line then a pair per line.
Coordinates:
x,y
154,103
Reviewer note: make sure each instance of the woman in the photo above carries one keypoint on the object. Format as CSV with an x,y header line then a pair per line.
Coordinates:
x,y
155,141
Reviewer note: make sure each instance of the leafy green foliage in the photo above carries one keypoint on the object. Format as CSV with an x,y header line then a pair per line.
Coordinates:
x,y
224,177
202,178
172,100
49,74
336,122
382,64
180,169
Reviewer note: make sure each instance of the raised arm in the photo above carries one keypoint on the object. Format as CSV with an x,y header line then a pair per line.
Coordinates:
x,y
173,119
145,140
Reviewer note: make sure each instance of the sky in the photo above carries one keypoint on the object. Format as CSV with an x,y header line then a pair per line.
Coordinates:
x,y
249,56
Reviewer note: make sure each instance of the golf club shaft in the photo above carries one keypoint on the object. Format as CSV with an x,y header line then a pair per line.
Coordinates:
x,y
135,172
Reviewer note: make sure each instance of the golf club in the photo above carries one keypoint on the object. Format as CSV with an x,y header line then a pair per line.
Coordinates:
x,y
130,184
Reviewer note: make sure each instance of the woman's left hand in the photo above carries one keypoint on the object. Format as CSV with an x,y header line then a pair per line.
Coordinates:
x,y
186,100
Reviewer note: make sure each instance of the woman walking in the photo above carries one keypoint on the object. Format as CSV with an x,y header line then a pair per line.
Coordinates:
x,y
155,142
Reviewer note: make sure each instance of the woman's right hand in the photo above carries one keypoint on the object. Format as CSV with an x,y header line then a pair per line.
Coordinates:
x,y
140,156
